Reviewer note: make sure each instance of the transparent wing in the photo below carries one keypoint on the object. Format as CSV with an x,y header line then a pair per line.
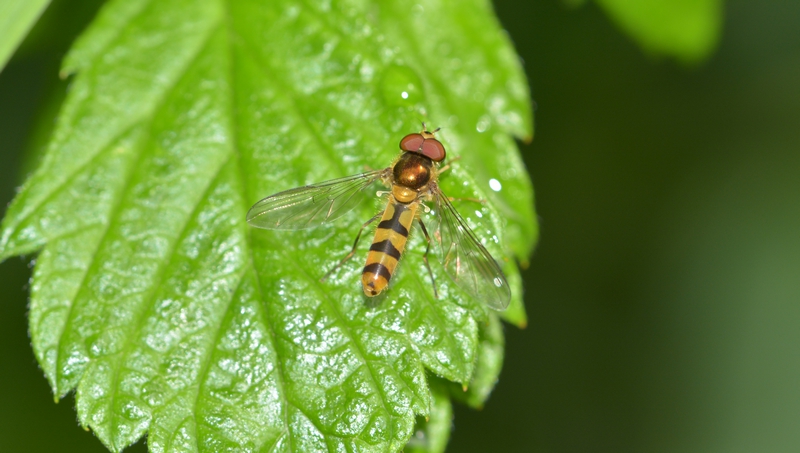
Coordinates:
x,y
309,206
465,259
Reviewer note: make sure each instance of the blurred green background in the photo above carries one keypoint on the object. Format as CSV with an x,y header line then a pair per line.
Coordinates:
x,y
664,296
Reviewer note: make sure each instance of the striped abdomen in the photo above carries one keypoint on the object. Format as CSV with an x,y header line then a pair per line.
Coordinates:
x,y
387,247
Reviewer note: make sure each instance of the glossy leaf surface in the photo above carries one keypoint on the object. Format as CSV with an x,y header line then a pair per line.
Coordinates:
x,y
168,313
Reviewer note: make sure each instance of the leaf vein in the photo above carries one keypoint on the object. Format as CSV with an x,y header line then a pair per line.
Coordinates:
x,y
153,291
279,367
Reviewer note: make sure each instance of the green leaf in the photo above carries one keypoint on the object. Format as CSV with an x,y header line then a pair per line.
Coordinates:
x,y
431,436
170,316
488,363
686,29
16,19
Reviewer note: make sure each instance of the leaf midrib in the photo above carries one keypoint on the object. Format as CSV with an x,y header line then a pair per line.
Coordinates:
x,y
236,148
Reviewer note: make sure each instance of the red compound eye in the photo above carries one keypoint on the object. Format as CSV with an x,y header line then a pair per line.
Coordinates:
x,y
412,142
428,147
433,149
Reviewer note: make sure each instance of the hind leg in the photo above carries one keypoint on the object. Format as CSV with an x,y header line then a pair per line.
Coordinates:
x,y
425,256
353,250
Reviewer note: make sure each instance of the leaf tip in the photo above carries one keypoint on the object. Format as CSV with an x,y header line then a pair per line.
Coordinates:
x,y
527,137
69,66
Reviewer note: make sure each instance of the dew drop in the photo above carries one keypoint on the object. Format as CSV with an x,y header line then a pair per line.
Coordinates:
x,y
483,124
133,412
495,185
400,85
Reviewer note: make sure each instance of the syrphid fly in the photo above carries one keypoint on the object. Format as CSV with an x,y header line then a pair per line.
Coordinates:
x,y
413,180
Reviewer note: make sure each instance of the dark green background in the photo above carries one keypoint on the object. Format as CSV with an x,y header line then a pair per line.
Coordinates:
x,y
664,296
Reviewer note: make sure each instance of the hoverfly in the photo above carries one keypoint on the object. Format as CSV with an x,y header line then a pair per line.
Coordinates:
x,y
413,180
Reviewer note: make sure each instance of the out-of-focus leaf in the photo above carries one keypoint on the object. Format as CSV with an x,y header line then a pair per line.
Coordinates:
x,y
16,19
170,315
685,29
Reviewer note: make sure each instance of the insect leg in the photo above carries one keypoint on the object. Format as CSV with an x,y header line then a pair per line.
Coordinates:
x,y
474,200
447,167
353,250
425,256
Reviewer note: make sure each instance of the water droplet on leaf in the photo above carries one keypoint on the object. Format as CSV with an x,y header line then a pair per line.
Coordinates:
x,y
400,85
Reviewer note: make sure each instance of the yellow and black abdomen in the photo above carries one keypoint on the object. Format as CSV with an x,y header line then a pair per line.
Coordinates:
x,y
387,246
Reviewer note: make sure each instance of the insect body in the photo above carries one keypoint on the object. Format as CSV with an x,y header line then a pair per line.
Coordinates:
x,y
410,174
413,180
387,247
